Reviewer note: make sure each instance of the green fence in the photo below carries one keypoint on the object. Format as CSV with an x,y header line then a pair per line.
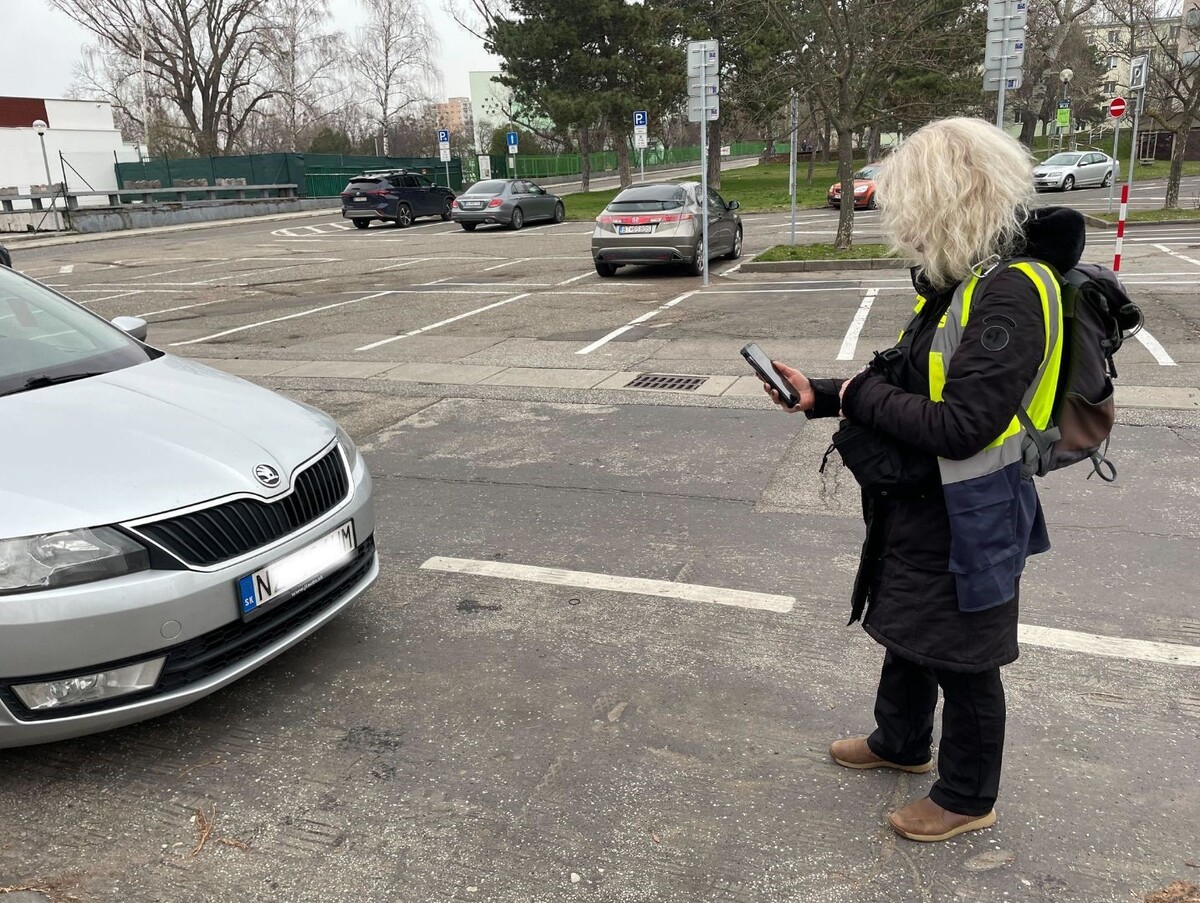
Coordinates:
x,y
542,167
315,175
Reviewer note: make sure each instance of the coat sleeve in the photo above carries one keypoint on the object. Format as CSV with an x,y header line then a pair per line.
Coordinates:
x,y
985,384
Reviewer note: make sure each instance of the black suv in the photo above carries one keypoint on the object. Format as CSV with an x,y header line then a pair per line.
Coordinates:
x,y
396,196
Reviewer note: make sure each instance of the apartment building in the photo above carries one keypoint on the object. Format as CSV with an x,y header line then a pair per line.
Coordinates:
x,y
455,115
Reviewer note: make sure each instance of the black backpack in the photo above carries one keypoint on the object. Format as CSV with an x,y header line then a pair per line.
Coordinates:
x,y
1098,316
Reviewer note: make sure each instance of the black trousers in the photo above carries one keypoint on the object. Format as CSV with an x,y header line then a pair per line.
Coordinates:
x,y
972,747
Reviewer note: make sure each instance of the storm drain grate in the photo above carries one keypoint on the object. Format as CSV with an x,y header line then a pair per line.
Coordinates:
x,y
667,382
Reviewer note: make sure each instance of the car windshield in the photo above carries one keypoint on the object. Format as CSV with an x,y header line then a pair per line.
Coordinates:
x,y
1063,160
647,200
488,189
45,339
869,172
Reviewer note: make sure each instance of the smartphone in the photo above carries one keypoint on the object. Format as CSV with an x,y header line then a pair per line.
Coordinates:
x,y
762,366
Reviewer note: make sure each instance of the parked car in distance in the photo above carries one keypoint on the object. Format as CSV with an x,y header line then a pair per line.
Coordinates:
x,y
506,202
864,190
661,222
1075,169
396,196
165,529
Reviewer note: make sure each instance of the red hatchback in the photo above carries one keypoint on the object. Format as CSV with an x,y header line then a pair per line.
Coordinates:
x,y
864,189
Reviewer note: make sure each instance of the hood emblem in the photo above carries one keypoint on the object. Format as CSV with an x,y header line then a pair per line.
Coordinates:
x,y
267,475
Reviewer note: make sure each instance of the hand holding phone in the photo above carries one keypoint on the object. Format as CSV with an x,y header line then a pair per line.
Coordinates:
x,y
769,375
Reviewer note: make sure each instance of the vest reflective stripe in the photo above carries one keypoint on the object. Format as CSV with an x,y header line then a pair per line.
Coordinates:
x,y
1038,400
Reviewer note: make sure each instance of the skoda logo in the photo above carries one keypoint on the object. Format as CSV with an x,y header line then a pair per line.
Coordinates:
x,y
267,475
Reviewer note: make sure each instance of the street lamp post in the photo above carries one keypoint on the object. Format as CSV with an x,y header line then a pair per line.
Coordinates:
x,y
1065,77
40,126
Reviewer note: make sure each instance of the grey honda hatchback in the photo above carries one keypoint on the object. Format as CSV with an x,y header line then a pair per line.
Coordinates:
x,y
165,528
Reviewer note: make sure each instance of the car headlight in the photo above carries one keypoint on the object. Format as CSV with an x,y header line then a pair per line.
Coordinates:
x,y
861,189
349,449
69,558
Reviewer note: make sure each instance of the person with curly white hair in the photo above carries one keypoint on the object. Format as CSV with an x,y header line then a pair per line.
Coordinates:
x,y
933,432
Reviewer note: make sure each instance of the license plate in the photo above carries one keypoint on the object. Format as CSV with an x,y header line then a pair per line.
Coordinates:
x,y
634,230
292,575
473,205
359,197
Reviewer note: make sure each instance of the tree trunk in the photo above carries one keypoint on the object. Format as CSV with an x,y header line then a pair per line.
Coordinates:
x,y
1028,128
714,155
845,229
873,144
825,141
585,159
1178,152
812,159
622,142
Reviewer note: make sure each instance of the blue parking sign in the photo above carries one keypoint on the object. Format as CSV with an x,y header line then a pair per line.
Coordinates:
x,y
640,118
512,139
443,136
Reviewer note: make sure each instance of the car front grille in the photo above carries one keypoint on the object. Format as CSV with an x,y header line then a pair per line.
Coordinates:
x,y
228,530
208,654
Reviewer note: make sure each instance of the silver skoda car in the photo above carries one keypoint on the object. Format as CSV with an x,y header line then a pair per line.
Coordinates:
x,y
165,528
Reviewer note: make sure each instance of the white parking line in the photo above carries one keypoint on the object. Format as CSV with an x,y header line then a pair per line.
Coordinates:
x,y
469,313
171,310
599,343
663,589
850,342
1177,255
501,266
67,268
1154,347
1110,646
574,279
295,316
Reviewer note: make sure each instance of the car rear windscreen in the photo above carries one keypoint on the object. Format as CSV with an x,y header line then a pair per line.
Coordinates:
x,y
362,185
488,189
648,200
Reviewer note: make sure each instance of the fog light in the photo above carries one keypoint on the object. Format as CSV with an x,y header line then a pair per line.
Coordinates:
x,y
85,688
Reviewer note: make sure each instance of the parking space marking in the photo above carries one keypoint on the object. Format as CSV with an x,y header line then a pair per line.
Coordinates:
x,y
67,268
295,316
171,310
470,313
1177,255
663,589
850,342
600,343
1110,646
1154,347
574,279
501,266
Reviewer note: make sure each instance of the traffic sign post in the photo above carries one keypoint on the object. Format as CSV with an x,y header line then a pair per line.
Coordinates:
x,y
443,136
1004,50
704,103
641,122
1138,71
1116,109
512,138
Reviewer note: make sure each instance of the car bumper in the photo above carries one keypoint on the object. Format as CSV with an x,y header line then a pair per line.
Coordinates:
x,y
1048,182
94,627
858,202
362,213
482,217
620,251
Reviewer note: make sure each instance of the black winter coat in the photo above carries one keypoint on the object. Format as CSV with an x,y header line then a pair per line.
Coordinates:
x,y
904,578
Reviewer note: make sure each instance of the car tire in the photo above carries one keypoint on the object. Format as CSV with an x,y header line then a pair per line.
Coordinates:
x,y
606,270
1107,179
736,251
1068,183
468,227
871,203
518,219
404,216
361,223
446,208
696,267
560,212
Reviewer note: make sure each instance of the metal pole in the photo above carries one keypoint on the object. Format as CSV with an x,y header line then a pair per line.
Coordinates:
x,y
704,163
1112,186
49,180
1003,75
642,161
145,106
1137,115
447,173
792,162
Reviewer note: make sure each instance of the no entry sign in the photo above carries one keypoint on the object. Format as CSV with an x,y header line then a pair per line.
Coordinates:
x,y
1116,107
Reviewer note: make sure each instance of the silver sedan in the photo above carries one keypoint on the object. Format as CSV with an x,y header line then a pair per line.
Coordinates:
x,y
1076,169
506,202
165,528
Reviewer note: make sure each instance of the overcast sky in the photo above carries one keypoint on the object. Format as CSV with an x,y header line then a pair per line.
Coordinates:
x,y
39,56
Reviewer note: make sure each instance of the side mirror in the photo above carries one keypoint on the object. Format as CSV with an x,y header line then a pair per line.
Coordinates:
x,y
134,326
732,205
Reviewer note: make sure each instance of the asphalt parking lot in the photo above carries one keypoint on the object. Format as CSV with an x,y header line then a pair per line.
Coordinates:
x,y
543,698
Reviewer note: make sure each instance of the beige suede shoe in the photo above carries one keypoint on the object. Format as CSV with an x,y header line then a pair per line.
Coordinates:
x,y
926,821
855,753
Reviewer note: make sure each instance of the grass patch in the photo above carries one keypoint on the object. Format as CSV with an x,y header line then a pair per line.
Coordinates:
x,y
1153,216
823,252
759,189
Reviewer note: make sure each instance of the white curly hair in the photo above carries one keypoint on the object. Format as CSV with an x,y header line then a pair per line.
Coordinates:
x,y
955,195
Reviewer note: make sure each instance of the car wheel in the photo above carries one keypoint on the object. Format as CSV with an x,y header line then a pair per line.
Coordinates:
x,y
560,212
446,210
468,227
404,216
361,223
518,219
1068,183
871,203
605,269
736,251
696,267
1107,179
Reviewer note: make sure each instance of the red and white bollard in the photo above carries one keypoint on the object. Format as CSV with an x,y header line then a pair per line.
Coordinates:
x,y
1121,226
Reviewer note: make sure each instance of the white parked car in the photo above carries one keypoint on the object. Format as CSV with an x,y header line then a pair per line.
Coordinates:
x,y
1076,169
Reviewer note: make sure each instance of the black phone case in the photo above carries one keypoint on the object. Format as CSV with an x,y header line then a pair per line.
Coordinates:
x,y
775,379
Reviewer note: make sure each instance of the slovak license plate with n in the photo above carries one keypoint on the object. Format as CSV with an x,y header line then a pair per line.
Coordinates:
x,y
293,574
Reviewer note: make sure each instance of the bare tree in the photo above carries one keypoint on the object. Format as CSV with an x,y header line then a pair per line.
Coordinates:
x,y
1052,23
204,56
304,59
396,73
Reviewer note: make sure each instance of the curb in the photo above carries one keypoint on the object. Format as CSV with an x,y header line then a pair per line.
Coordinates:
x,y
813,266
1105,224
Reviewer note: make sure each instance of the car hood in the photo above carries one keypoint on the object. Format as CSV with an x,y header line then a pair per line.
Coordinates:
x,y
144,440
837,186
1048,171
